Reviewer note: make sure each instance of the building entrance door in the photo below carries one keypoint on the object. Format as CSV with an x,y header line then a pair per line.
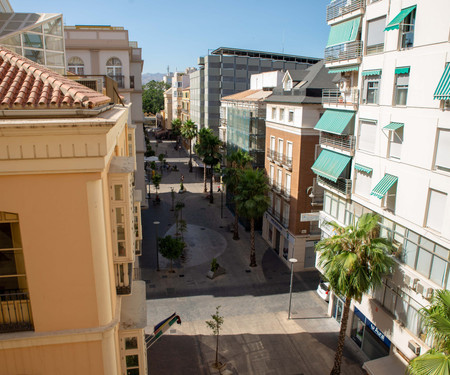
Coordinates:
x,y
277,242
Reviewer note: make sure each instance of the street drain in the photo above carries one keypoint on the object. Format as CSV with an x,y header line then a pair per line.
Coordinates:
x,y
248,271
180,275
202,228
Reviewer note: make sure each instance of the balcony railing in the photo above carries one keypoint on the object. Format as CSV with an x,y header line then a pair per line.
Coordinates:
x,y
341,7
278,157
343,52
340,98
15,312
270,153
287,161
277,187
375,48
342,142
123,282
119,79
342,185
286,193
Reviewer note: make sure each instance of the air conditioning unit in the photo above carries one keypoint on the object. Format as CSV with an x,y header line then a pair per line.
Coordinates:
x,y
428,293
420,288
410,281
414,346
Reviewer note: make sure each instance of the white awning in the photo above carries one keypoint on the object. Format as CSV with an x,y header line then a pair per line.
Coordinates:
x,y
390,364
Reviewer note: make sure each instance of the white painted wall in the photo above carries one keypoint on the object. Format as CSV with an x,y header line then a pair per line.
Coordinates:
x,y
267,79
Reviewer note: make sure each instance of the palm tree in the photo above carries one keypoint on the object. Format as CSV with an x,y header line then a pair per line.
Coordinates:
x,y
176,127
211,156
436,319
200,150
252,201
189,131
354,261
236,161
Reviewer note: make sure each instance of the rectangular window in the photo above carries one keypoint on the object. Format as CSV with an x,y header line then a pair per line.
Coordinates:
x,y
389,200
401,89
272,143
274,113
375,36
279,176
395,143
131,343
272,174
286,209
367,136
288,184
281,114
371,89
277,206
363,183
436,209
118,192
443,150
280,146
289,151
407,31
291,116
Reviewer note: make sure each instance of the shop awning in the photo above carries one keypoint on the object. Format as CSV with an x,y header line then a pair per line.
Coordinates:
x,y
384,185
390,364
330,164
402,70
395,23
375,72
394,126
362,168
334,121
343,70
344,32
443,88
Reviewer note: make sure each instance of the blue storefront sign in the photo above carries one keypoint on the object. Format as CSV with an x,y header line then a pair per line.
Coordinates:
x,y
373,328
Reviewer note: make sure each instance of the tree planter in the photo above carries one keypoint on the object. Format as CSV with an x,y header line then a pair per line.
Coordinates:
x,y
219,271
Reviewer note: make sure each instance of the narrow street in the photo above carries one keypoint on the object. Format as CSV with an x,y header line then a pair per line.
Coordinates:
x,y
257,338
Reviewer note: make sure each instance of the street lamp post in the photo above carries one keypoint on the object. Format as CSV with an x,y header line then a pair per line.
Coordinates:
x,y
157,250
292,261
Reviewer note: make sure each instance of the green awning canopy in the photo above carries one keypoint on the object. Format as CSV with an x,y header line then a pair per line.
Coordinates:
x,y
402,70
345,69
330,164
443,88
344,32
335,121
375,72
395,23
384,185
362,168
394,126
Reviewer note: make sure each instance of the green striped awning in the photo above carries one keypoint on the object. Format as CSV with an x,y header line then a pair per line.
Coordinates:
x,y
330,164
443,88
395,23
384,185
362,168
335,121
344,32
342,70
394,126
375,72
402,70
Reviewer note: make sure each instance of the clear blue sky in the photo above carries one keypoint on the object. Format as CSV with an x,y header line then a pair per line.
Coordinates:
x,y
177,32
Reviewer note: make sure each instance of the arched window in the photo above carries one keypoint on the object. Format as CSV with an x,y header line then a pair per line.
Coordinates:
x,y
76,65
114,70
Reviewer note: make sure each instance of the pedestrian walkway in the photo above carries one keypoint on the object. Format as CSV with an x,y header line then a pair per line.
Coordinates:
x,y
257,337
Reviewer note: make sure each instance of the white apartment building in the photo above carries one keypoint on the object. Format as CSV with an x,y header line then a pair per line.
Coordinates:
x,y
96,51
394,60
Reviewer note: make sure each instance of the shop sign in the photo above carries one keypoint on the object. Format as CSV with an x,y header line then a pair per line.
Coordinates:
x,y
310,216
373,328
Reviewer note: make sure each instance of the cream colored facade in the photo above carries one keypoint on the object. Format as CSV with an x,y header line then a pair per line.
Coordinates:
x,y
70,233
168,108
185,105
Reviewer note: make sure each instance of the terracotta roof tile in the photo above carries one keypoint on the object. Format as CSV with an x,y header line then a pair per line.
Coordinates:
x,y
26,84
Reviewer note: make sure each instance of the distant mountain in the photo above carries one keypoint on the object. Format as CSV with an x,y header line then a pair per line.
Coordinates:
x,y
147,77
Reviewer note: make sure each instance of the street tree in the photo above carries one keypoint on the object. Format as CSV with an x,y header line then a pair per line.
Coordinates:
x,y
354,261
211,156
189,131
153,96
200,149
171,248
156,179
215,325
176,127
436,319
252,201
236,161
